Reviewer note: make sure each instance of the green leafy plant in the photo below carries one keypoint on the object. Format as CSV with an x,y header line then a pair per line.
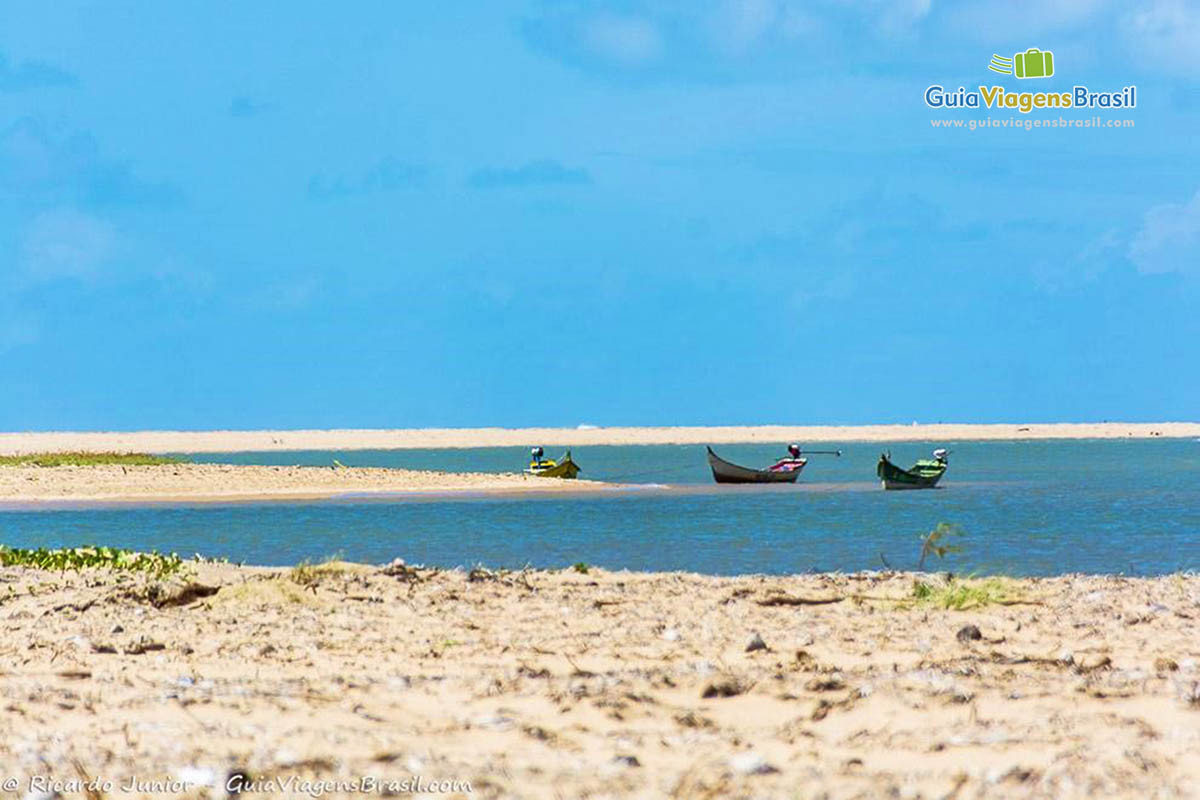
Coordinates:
x,y
938,542
963,594
85,459
155,564
581,567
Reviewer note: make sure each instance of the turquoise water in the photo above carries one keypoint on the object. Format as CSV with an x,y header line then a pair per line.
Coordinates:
x,y
1027,508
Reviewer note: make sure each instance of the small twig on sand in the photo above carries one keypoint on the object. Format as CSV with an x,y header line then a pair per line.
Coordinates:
x,y
523,579
789,600
579,673
72,606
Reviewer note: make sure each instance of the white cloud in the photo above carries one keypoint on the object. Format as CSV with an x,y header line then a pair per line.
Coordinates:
x,y
798,23
32,75
739,24
627,40
654,37
294,294
902,18
66,244
16,329
1053,275
39,165
1169,240
999,20
1166,34
833,286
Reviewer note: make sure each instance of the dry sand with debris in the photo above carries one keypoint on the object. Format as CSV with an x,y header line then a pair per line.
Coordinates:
x,y
234,441
214,482
607,684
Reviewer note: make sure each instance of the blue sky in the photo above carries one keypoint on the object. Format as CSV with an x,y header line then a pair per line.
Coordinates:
x,y
241,215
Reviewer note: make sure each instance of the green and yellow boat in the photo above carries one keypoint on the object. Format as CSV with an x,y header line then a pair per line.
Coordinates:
x,y
549,468
925,474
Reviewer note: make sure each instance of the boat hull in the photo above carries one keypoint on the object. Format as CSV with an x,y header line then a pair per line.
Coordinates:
x,y
725,472
922,476
564,468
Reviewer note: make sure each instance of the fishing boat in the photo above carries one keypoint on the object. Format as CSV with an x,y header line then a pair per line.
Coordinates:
x,y
925,474
549,468
786,470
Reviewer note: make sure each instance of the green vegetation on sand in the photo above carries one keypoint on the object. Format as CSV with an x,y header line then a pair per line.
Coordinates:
x,y
84,459
154,563
961,594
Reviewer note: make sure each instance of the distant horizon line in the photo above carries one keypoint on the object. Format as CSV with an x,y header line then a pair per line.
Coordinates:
x,y
592,426
226,441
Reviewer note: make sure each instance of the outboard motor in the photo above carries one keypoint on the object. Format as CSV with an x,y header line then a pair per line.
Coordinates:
x,y
794,449
537,453
941,453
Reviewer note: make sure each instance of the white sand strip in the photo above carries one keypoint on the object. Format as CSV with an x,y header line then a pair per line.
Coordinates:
x,y
233,441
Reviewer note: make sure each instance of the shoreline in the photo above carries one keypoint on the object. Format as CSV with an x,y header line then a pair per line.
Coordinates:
x,y
14,443
103,485
90,502
546,684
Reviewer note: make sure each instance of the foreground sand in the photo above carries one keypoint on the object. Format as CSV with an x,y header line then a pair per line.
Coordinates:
x,y
232,441
563,685
201,482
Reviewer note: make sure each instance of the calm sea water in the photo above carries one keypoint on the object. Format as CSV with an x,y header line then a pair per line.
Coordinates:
x,y
1027,508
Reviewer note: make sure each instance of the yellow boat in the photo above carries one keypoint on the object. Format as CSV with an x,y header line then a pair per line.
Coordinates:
x,y
549,468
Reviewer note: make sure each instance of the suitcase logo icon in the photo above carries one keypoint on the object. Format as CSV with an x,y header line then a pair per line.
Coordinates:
x,y
1033,63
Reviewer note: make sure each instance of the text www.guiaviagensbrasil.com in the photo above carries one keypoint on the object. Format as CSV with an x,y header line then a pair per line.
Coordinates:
x,y
1029,124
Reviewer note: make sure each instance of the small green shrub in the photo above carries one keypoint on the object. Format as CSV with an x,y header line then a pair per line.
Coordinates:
x,y
960,595
581,567
310,575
